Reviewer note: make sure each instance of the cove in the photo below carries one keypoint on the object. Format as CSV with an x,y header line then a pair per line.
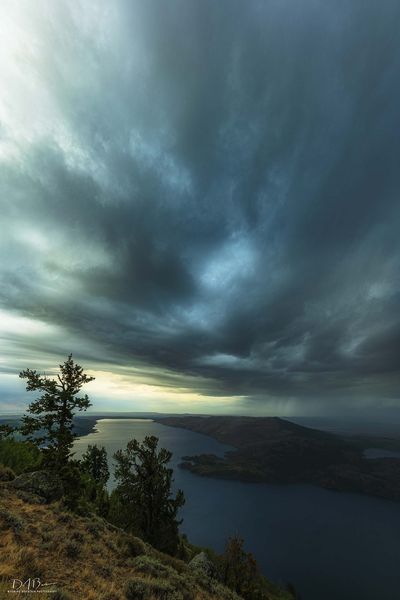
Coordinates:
x,y
330,545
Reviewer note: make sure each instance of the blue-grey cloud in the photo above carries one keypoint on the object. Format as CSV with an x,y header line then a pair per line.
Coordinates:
x,y
207,190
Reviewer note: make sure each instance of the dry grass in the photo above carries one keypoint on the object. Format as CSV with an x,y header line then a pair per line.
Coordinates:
x,y
88,558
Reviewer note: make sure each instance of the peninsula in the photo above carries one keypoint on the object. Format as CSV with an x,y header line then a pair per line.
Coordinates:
x,y
274,450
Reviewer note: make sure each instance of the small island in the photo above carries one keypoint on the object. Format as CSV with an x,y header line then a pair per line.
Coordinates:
x,y
274,450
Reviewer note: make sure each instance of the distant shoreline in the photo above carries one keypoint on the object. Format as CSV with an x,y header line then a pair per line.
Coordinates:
x,y
86,424
277,451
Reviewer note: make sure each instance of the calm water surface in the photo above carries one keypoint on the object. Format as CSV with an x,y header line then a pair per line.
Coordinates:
x,y
332,546
380,453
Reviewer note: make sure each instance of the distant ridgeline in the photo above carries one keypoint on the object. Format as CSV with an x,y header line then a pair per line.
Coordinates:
x,y
82,425
273,450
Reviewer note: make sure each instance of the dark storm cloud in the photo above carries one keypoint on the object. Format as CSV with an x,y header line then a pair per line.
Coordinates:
x,y
212,194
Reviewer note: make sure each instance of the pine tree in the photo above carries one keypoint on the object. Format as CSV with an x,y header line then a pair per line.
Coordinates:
x,y
240,571
49,422
94,462
94,465
144,489
6,430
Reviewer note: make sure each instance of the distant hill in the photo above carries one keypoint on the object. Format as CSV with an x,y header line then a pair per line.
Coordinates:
x,y
82,424
274,450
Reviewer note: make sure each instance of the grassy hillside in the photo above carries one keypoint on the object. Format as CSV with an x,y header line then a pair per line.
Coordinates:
x,y
90,559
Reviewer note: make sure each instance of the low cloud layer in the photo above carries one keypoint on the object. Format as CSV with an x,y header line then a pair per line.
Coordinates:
x,y
203,196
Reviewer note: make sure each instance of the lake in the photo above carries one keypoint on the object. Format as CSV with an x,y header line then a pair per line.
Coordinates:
x,y
330,545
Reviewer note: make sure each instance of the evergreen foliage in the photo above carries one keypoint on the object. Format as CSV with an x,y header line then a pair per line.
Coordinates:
x,y
144,494
83,494
94,462
240,572
20,456
51,415
95,474
6,430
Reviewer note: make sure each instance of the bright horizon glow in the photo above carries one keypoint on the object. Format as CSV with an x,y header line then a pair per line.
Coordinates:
x,y
199,203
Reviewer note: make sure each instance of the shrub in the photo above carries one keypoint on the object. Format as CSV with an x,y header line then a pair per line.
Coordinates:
x,y
46,536
6,474
11,521
135,546
104,571
65,518
135,589
93,530
72,550
155,569
110,544
30,498
78,537
147,589
172,561
151,566
20,456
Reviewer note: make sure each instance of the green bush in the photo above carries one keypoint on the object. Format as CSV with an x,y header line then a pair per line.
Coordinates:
x,y
20,456
151,566
83,495
147,589
6,474
171,561
11,521
158,571
135,546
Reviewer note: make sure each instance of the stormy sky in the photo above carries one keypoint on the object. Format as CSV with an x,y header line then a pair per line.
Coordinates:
x,y
200,201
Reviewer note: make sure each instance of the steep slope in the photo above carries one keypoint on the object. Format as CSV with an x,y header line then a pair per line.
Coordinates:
x,y
86,558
